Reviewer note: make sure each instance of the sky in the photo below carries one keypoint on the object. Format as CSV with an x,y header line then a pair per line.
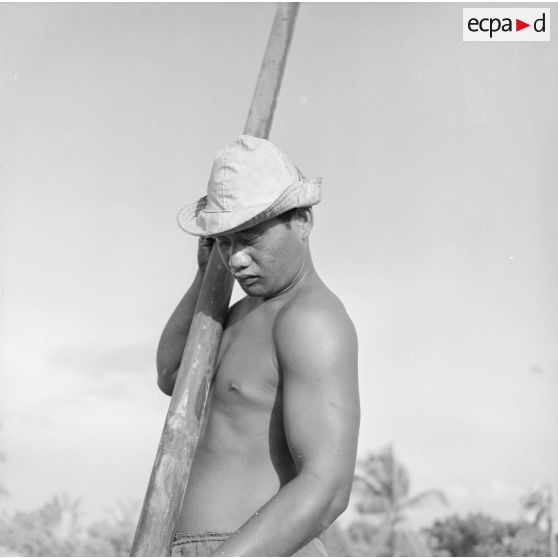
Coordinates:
x,y
438,229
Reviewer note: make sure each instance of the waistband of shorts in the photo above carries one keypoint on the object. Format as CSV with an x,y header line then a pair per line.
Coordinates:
x,y
201,536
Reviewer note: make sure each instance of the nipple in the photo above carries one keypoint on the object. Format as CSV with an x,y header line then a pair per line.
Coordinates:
x,y
234,386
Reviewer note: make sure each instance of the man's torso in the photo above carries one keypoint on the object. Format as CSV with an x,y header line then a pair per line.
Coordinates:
x,y
243,457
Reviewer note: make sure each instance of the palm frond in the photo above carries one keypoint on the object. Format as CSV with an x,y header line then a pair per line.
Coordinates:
x,y
370,483
423,498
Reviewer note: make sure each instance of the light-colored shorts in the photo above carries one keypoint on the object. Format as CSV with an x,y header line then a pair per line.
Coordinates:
x,y
203,544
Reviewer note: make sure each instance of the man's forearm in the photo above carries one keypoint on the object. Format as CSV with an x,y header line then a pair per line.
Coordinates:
x,y
300,511
174,336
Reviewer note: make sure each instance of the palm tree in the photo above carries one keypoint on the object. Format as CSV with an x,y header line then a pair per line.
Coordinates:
x,y
538,503
385,499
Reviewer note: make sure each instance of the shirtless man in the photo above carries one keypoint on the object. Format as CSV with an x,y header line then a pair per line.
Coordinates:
x,y
274,465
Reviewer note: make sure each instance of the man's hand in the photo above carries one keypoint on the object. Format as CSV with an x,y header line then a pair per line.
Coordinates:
x,y
204,250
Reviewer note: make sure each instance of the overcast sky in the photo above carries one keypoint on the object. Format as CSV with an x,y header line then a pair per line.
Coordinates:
x,y
438,229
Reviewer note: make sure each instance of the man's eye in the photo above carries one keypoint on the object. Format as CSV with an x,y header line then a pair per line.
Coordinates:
x,y
250,239
223,241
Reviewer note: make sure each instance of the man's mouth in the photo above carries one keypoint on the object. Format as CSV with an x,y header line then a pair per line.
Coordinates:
x,y
246,279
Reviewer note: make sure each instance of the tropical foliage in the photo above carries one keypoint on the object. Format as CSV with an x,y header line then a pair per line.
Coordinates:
x,y
537,505
482,535
383,489
57,529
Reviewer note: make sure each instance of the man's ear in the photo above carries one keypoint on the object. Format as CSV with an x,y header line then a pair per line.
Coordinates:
x,y
305,219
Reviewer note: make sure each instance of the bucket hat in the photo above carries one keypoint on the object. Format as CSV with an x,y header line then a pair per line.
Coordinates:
x,y
251,181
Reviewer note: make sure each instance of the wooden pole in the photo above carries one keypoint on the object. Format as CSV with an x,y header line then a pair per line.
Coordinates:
x,y
260,116
186,414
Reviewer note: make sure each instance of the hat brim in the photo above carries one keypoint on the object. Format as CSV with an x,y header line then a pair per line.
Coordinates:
x,y
196,220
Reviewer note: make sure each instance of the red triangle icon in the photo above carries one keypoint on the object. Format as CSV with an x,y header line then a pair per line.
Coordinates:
x,y
519,25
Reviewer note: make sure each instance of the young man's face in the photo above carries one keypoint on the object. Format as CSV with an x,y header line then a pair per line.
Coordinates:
x,y
266,259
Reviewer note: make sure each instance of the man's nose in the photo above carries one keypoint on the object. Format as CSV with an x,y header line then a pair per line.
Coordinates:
x,y
238,259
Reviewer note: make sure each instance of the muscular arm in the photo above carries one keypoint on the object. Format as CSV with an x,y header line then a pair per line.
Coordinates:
x,y
173,339
317,352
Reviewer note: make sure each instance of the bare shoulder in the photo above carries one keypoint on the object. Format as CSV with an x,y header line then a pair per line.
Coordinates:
x,y
317,351
315,319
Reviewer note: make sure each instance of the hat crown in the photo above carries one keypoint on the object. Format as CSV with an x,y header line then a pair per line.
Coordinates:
x,y
248,172
251,181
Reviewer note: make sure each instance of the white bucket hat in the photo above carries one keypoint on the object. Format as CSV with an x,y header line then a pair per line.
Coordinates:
x,y
251,181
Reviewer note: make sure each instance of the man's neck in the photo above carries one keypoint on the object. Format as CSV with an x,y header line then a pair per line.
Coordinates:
x,y
305,274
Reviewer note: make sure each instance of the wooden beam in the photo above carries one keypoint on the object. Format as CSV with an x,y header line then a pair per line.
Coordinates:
x,y
264,101
186,414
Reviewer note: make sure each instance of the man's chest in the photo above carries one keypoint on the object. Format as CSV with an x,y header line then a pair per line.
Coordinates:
x,y
247,369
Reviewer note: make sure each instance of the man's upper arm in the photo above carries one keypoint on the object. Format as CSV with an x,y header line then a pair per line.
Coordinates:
x,y
317,353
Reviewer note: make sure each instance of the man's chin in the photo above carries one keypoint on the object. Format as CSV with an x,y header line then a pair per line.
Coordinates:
x,y
253,289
